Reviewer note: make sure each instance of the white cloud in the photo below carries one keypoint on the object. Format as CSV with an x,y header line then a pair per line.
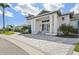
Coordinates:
x,y
21,10
7,13
17,8
26,9
53,7
75,9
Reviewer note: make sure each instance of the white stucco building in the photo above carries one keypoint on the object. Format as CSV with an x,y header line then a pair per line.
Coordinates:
x,y
47,22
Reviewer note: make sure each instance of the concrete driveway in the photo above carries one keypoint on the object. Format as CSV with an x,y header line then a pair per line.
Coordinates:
x,y
43,44
53,46
8,48
68,41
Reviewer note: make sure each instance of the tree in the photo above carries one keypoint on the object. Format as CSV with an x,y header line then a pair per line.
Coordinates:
x,y
24,28
9,28
4,5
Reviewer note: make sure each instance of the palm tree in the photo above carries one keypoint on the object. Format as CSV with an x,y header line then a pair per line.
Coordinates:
x,y
4,5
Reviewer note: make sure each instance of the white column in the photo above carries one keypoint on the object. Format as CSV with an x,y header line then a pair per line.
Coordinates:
x,y
35,30
51,23
55,24
33,26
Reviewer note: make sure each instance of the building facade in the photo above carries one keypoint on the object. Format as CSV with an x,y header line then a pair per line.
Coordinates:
x,y
47,22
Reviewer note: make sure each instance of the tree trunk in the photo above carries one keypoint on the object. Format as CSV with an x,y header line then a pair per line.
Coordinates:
x,y
3,20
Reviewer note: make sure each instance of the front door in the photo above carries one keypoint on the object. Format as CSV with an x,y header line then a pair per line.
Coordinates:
x,y
45,28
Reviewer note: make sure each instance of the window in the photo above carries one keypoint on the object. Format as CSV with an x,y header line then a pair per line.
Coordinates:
x,y
62,18
43,27
48,27
45,21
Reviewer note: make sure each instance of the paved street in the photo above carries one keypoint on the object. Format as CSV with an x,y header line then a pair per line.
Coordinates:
x,y
8,48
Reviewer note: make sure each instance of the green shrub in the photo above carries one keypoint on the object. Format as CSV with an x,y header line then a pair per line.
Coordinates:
x,y
1,31
76,47
23,29
26,29
66,29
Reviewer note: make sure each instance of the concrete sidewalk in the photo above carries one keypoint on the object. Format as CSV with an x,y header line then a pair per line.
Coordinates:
x,y
45,47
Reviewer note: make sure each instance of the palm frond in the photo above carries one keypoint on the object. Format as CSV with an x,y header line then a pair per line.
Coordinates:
x,y
4,5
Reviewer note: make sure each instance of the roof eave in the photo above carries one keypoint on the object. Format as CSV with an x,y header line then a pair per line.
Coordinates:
x,y
41,15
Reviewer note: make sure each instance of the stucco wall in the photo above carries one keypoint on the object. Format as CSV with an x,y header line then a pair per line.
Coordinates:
x,y
66,19
74,23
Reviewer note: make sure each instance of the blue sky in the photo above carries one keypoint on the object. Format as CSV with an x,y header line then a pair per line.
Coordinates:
x,y
16,16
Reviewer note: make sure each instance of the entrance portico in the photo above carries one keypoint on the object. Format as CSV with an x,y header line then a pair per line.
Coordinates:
x,y
44,25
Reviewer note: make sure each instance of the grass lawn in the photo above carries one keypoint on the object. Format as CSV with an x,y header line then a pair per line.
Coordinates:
x,y
76,47
7,32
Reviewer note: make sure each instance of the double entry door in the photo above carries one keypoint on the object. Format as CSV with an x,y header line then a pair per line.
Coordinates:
x,y
45,27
